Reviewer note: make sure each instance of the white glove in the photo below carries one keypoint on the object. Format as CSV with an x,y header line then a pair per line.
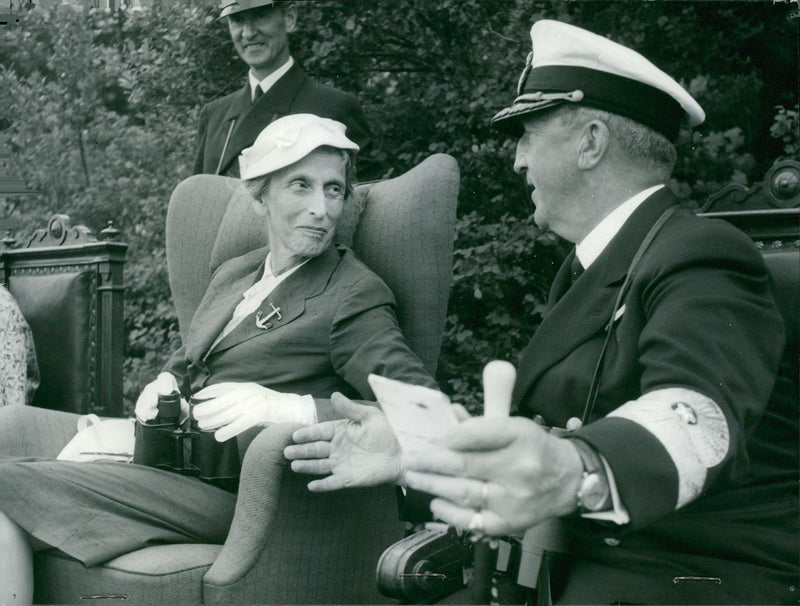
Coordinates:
x,y
147,404
231,408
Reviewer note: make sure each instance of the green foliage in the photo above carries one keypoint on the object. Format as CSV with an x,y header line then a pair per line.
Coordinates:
x,y
785,128
501,274
104,125
103,107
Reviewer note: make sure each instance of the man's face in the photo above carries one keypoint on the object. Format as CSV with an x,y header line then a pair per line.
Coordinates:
x,y
303,204
260,36
546,154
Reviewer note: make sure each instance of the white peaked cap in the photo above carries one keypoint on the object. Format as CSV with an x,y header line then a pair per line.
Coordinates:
x,y
571,65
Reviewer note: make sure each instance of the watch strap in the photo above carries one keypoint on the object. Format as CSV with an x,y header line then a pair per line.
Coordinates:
x,y
594,479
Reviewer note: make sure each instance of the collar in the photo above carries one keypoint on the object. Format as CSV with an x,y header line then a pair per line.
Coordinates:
x,y
253,297
596,240
268,277
270,80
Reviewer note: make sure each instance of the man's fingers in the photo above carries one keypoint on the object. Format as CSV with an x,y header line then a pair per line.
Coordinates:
x,y
326,484
436,484
467,463
308,450
315,433
464,492
480,433
349,409
435,459
316,467
484,522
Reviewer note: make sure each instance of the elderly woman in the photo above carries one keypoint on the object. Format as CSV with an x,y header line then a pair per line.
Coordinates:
x,y
19,373
276,329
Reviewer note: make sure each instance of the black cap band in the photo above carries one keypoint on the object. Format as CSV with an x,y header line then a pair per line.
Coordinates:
x,y
610,92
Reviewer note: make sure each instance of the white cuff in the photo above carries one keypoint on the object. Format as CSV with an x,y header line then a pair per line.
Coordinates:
x,y
692,428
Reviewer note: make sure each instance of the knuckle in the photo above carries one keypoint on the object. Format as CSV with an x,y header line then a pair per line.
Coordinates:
x,y
464,495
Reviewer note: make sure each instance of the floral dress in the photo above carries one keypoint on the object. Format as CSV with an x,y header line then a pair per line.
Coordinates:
x,y
19,373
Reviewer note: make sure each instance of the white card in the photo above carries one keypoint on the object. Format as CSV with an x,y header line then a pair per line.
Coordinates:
x,y
418,415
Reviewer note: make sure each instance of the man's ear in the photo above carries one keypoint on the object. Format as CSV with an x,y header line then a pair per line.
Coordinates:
x,y
290,17
593,144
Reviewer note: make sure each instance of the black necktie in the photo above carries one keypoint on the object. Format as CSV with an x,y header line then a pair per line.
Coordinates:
x,y
576,269
257,93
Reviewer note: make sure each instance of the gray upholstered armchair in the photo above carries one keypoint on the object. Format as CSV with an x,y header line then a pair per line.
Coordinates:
x,y
287,545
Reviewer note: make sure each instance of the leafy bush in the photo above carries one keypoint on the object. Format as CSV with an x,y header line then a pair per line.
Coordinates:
x,y
786,128
103,107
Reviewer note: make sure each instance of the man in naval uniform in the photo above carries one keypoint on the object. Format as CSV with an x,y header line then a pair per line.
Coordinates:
x,y
652,422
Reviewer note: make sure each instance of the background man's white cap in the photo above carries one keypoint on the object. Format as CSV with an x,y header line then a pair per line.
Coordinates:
x,y
289,139
231,7
571,65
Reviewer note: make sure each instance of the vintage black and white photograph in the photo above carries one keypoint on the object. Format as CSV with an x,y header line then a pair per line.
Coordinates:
x,y
399,302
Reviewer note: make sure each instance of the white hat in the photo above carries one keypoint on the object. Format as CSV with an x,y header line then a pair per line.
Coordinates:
x,y
571,65
231,7
289,139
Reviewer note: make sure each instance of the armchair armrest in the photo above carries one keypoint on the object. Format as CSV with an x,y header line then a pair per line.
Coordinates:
x,y
259,490
278,524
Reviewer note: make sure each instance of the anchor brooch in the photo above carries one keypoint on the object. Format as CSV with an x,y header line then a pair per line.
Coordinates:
x,y
263,321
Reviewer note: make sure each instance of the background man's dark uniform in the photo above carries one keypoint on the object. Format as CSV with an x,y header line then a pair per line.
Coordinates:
x,y
235,119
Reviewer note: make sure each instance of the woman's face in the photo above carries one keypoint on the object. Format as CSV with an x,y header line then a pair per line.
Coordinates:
x,y
302,204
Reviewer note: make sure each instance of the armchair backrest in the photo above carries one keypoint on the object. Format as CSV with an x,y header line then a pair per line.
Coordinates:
x,y
402,228
69,287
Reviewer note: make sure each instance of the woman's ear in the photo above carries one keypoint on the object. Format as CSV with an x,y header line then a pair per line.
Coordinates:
x,y
260,207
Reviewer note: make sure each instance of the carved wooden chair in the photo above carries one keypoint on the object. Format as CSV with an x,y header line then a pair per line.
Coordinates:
x,y
69,286
287,545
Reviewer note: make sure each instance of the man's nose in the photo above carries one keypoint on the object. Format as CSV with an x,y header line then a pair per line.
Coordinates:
x,y
248,29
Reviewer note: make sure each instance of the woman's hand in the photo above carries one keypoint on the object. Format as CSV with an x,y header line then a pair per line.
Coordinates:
x,y
358,450
147,403
231,408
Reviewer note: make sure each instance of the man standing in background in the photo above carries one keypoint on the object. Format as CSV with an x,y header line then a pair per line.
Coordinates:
x,y
276,86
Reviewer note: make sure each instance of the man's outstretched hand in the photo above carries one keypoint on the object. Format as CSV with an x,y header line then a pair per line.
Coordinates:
x,y
357,450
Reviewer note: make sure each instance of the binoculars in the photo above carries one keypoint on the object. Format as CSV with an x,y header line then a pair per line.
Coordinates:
x,y
166,443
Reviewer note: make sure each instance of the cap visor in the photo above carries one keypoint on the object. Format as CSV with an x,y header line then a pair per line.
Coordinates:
x,y
509,120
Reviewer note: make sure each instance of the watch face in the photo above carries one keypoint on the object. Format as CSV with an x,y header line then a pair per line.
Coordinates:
x,y
593,492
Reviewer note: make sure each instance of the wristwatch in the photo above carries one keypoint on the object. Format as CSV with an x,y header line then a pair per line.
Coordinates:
x,y
594,493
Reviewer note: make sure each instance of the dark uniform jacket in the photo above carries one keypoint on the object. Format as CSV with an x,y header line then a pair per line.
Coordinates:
x,y
232,123
699,314
337,324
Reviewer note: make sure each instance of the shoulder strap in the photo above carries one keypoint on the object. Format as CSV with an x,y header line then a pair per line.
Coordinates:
x,y
595,385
